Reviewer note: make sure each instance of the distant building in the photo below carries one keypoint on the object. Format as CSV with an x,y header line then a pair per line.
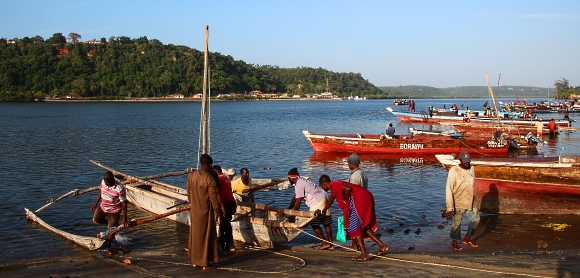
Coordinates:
x,y
93,41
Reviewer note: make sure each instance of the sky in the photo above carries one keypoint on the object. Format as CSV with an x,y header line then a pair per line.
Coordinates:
x,y
390,43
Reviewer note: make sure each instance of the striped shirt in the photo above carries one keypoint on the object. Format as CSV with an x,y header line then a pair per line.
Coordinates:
x,y
112,197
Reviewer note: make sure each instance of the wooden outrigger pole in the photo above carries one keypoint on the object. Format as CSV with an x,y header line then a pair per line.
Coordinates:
x,y
90,243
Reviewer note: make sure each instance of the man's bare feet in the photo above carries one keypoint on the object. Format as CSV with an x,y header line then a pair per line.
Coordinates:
x,y
473,245
325,246
455,246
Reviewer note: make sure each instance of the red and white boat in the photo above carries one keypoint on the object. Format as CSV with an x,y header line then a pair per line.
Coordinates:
x,y
542,185
402,144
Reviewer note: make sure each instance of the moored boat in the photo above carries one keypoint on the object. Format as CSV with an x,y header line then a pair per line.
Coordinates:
x,y
446,116
402,144
542,185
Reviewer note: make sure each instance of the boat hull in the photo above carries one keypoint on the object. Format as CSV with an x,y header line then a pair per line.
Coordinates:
x,y
251,225
401,144
519,197
545,185
444,118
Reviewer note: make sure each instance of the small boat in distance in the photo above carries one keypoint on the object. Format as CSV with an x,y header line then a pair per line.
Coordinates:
x,y
401,102
539,185
402,144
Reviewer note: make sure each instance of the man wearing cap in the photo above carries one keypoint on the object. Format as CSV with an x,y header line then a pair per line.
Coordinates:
x,y
231,173
460,200
357,176
315,198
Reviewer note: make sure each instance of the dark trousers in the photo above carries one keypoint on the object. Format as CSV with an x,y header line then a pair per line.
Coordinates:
x,y
111,219
226,239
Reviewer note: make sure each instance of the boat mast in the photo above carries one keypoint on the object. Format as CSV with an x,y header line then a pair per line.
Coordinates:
x,y
205,97
492,97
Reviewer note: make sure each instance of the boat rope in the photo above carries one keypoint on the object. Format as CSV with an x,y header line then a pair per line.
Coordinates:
x,y
137,269
368,115
288,145
302,263
472,149
427,263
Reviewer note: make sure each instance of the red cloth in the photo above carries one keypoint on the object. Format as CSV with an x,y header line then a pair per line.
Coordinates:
x,y
364,204
552,125
226,188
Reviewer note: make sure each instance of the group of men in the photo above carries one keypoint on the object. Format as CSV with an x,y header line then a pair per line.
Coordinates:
x,y
211,196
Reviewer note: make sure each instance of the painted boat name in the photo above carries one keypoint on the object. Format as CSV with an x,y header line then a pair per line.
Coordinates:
x,y
411,146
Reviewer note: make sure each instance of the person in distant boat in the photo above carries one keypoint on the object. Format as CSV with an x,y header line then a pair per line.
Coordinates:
x,y
113,199
460,200
539,128
391,131
552,126
205,214
315,198
358,209
228,205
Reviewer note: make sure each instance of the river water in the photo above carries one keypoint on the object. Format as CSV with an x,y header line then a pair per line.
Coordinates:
x,y
46,148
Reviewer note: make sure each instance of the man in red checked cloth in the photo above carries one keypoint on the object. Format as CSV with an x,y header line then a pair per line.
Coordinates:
x,y
358,209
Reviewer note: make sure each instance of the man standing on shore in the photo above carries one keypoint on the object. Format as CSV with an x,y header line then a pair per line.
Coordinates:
x,y
358,206
228,203
460,200
357,176
114,200
205,214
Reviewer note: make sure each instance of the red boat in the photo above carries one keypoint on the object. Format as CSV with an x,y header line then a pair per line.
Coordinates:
x,y
543,185
402,144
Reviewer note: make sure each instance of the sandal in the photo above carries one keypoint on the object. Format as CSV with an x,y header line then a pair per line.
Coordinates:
x,y
384,251
209,266
360,259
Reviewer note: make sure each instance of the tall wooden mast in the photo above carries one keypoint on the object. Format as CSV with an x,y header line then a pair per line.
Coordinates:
x,y
205,97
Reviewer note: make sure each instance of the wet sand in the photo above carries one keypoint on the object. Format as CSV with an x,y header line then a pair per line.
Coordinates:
x,y
509,247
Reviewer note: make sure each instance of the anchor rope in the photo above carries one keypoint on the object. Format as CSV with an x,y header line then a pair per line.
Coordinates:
x,y
302,263
428,263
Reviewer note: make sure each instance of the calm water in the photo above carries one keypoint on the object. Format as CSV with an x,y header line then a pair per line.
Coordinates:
x,y
46,148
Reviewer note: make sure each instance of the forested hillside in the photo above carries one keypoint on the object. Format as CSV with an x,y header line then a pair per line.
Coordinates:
x,y
122,67
467,92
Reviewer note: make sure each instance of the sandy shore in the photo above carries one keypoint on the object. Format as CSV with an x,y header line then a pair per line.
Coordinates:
x,y
308,262
510,245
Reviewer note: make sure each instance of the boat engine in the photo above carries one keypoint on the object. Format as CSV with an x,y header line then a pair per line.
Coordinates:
x,y
533,139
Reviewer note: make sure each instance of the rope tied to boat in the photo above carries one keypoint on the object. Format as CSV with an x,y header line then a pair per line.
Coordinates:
x,y
427,263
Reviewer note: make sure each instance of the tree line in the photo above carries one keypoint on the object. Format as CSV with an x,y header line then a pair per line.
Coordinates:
x,y
122,67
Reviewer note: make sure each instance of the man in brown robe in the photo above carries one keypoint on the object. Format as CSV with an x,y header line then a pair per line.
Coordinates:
x,y
202,192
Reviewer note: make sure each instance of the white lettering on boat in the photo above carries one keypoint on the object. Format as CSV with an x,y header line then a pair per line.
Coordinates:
x,y
411,160
351,142
411,146
494,144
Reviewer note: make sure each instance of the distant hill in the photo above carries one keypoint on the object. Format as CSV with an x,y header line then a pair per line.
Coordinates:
x,y
414,91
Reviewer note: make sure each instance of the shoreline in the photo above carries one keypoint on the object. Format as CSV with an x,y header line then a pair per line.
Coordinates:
x,y
309,262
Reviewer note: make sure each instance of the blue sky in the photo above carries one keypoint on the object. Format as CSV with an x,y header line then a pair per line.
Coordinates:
x,y
390,43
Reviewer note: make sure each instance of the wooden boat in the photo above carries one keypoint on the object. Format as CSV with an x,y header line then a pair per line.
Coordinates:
x,y
256,224
439,117
543,185
401,102
401,144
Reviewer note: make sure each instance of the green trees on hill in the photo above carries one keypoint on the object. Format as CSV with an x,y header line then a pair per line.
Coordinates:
x,y
123,67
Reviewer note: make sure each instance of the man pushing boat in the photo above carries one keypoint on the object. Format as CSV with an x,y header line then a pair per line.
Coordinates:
x,y
113,199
